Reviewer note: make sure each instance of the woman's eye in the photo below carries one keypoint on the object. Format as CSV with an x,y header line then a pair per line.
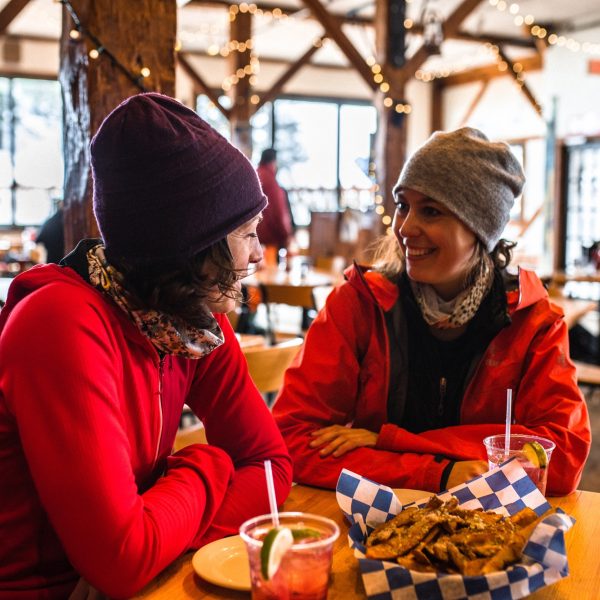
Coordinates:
x,y
401,206
430,211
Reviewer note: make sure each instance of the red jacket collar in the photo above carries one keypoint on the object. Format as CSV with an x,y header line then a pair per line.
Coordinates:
x,y
385,293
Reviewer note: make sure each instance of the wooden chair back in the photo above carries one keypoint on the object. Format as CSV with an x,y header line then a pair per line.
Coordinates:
x,y
267,364
292,295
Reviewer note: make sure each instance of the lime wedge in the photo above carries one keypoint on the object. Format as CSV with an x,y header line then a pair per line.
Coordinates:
x,y
276,543
536,454
305,532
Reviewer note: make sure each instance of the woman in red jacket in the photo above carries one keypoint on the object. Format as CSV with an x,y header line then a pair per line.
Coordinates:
x,y
99,355
405,370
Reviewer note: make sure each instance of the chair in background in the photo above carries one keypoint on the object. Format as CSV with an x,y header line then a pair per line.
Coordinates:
x,y
267,365
291,295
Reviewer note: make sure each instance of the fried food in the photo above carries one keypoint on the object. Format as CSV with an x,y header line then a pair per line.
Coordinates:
x,y
443,537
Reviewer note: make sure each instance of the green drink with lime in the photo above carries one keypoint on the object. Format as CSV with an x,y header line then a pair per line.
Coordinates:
x,y
532,451
293,560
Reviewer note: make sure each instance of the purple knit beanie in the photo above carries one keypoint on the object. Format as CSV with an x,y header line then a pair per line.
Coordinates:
x,y
166,184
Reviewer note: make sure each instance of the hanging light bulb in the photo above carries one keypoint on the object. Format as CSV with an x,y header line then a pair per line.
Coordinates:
x,y
433,33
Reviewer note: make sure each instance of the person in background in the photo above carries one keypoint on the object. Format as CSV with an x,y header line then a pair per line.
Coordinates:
x,y
406,369
52,236
276,226
99,355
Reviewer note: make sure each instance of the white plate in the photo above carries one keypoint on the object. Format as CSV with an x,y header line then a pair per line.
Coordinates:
x,y
225,563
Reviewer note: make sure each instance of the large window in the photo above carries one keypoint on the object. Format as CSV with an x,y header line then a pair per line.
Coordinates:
x,y
31,163
324,148
582,192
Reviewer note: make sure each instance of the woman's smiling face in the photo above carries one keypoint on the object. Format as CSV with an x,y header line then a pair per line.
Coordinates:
x,y
437,246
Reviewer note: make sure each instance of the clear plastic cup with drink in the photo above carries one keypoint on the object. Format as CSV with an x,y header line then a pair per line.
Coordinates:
x,y
302,571
532,451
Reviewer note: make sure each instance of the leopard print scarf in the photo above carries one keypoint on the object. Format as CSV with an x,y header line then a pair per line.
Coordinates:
x,y
169,334
460,310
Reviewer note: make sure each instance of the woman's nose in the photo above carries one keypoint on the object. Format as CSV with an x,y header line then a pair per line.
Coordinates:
x,y
256,254
407,225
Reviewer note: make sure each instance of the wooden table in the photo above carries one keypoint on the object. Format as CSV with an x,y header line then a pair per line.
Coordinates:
x,y
574,308
293,288
251,340
179,582
302,277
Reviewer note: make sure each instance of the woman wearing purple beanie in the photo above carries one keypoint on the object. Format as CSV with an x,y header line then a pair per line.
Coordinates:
x,y
406,369
99,355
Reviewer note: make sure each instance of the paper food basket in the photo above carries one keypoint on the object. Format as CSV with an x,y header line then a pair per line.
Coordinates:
x,y
505,490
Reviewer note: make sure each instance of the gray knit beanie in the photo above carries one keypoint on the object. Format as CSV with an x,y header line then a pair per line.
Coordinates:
x,y
476,179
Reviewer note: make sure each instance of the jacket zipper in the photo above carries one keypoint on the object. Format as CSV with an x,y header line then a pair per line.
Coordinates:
x,y
161,364
443,383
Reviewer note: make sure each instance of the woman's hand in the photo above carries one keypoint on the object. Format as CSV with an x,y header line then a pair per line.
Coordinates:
x,y
337,440
464,470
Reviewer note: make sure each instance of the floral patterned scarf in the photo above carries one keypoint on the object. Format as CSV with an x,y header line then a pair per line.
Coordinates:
x,y
169,334
458,311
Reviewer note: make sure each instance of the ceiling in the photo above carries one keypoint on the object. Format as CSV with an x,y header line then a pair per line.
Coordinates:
x,y
203,28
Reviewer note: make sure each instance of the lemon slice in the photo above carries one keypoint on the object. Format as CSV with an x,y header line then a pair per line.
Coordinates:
x,y
536,454
276,543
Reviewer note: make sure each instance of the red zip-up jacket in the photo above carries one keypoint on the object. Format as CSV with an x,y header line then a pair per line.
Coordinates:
x,y
88,415
342,376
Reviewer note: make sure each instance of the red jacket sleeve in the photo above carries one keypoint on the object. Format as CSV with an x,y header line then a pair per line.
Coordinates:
x,y
327,385
238,421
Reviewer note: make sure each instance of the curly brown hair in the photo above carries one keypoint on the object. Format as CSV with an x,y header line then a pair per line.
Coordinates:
x,y
181,288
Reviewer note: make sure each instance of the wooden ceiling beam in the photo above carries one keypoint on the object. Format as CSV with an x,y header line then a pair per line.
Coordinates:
x,y
199,81
334,31
290,12
278,86
478,96
10,12
481,38
450,27
524,87
416,29
532,63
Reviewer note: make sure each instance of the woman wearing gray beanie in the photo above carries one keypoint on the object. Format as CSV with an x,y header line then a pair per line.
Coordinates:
x,y
99,355
407,367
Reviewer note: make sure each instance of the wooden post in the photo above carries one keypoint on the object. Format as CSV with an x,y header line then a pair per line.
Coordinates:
x,y
239,65
132,35
390,152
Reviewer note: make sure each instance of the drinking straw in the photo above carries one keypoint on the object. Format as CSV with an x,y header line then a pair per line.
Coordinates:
x,y
271,491
508,420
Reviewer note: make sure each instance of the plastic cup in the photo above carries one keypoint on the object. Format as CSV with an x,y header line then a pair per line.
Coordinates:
x,y
496,454
303,573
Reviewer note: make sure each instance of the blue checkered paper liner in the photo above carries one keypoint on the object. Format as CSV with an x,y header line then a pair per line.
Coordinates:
x,y
504,490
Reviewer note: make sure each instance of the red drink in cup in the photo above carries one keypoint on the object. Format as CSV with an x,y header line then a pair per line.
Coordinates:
x,y
291,565
532,451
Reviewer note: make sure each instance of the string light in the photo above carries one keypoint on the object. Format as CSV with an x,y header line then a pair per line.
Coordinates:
x,y
541,32
81,31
